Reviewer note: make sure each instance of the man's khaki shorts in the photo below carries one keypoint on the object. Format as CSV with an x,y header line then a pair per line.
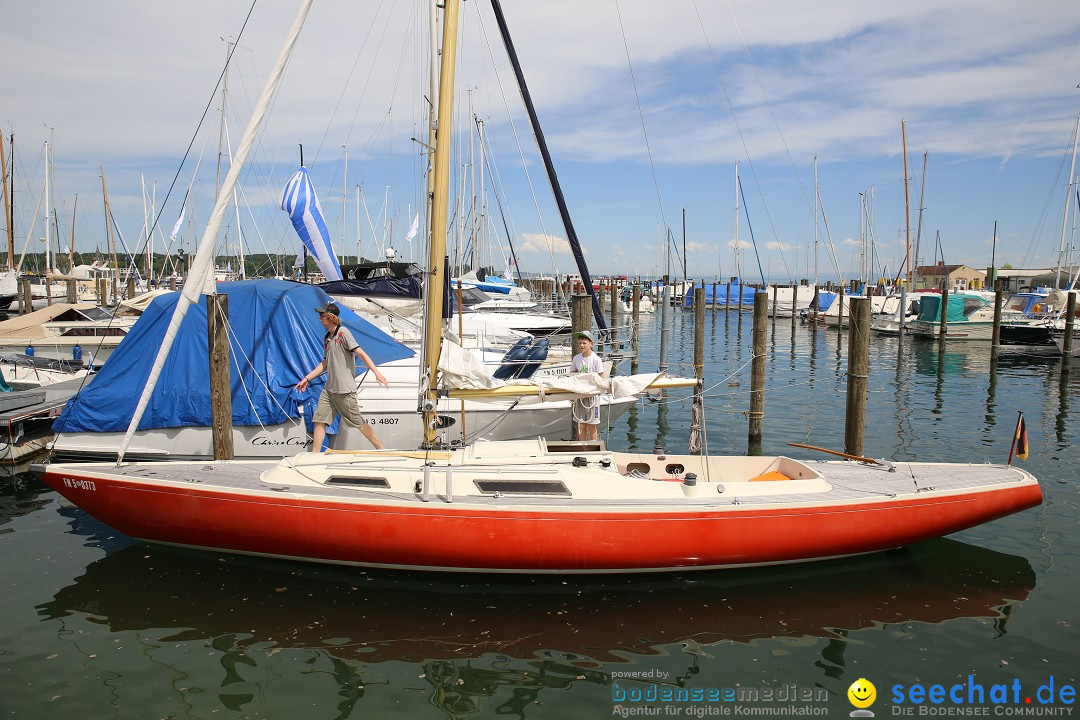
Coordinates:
x,y
333,404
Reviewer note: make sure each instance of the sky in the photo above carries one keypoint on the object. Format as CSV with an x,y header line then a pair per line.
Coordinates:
x,y
646,109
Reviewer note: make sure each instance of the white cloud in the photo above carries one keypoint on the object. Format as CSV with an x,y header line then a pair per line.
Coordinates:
x,y
532,242
692,246
975,80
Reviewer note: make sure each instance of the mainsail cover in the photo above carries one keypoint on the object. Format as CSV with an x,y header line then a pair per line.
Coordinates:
x,y
300,201
273,324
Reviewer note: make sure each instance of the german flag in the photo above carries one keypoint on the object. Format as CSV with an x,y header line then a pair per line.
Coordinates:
x,y
1020,439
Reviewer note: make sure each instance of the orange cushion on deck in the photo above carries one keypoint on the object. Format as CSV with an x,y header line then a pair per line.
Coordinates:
x,y
773,475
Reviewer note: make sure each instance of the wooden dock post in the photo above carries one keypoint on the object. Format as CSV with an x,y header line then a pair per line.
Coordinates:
x,y
943,326
26,299
580,321
130,287
72,291
995,339
613,335
99,290
580,318
1067,341
635,328
775,305
757,375
217,314
840,307
858,370
794,304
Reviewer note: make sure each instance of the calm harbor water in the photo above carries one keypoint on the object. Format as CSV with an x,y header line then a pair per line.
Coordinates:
x,y
97,625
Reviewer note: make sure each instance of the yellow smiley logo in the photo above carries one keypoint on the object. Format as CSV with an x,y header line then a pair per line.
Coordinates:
x,y
862,693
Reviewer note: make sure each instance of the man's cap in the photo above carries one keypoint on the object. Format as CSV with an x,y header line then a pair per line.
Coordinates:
x,y
584,334
328,308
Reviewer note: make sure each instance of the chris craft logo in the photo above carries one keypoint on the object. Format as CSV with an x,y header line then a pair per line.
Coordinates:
x,y
973,699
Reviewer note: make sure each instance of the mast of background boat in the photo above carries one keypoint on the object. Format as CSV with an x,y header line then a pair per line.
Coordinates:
x,y
1068,201
556,189
8,204
71,247
200,277
45,217
146,232
110,228
436,269
433,109
862,239
481,240
738,269
922,195
684,250
345,202
817,207
905,288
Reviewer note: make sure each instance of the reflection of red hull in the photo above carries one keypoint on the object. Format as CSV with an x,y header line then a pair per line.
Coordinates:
x,y
380,616
465,536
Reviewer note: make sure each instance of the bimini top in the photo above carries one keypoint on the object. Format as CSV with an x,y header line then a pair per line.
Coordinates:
x,y
274,340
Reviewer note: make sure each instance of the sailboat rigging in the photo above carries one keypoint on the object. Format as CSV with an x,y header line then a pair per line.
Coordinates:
x,y
532,506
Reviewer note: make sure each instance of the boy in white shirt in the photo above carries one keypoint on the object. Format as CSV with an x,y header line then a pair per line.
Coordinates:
x,y
586,411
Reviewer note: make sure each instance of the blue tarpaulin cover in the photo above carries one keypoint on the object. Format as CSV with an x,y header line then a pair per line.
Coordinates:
x,y
275,339
825,299
732,294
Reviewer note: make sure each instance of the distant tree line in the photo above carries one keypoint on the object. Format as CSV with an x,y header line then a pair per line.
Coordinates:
x,y
255,265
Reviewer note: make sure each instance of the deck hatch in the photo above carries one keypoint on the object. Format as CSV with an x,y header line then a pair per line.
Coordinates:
x,y
358,481
523,487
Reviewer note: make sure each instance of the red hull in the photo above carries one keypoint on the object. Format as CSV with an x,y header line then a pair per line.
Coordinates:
x,y
447,536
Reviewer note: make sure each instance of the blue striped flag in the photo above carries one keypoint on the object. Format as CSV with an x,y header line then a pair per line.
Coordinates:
x,y
300,201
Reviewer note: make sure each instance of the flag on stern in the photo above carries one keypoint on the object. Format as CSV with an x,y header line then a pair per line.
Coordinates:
x,y
1020,439
300,201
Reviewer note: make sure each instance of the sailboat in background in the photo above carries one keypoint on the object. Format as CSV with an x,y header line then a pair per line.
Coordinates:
x,y
533,506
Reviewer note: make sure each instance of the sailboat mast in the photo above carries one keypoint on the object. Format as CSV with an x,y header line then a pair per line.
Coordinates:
x,y
922,206
817,201
71,247
345,203
862,239
436,280
9,214
1068,202
433,109
48,241
553,178
907,209
109,225
738,271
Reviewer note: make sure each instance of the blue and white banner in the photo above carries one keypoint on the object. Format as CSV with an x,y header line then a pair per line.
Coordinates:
x,y
300,202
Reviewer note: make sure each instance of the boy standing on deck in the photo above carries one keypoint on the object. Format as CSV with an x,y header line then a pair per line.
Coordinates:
x,y
339,395
586,411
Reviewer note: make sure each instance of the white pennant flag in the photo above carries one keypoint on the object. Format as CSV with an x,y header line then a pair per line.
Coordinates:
x,y
414,227
179,222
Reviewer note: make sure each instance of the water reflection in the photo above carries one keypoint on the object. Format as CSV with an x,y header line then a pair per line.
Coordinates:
x,y
375,617
19,496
